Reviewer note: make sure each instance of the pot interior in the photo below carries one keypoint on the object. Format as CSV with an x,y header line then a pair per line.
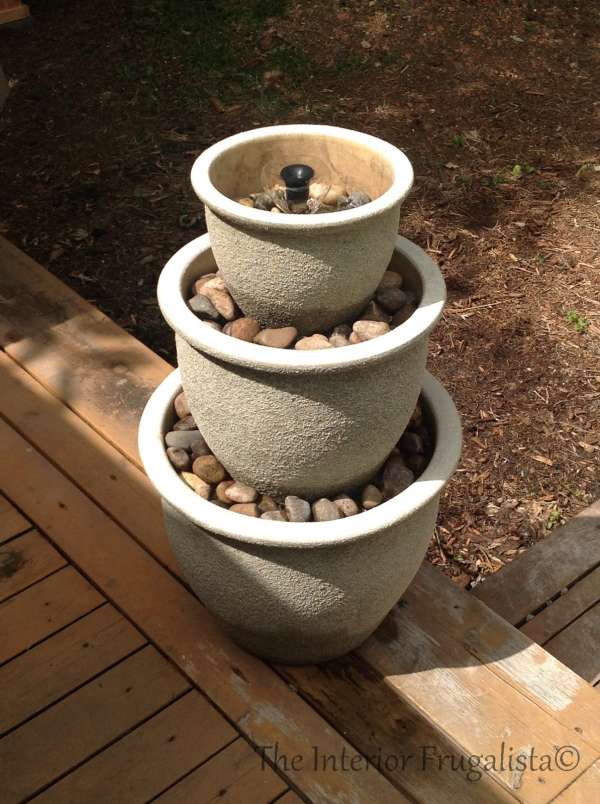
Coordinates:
x,y
239,170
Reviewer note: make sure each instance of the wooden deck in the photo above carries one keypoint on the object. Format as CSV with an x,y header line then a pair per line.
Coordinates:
x,y
119,685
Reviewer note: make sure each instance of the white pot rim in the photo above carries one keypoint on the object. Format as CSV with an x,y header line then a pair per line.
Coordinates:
x,y
230,209
172,286
248,530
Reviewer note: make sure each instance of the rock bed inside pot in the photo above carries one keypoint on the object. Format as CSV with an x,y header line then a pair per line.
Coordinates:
x,y
391,306
203,473
321,198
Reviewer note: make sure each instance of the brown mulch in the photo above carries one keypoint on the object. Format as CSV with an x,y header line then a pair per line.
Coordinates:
x,y
497,105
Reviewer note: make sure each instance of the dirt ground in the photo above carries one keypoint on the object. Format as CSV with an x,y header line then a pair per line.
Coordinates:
x,y
497,104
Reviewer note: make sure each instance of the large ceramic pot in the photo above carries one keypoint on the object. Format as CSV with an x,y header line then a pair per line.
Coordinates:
x,y
298,593
301,422
307,271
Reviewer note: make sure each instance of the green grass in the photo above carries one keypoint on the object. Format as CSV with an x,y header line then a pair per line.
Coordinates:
x,y
579,322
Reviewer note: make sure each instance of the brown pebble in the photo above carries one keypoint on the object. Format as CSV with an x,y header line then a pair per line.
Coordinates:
x,y
371,497
277,516
396,476
187,423
180,458
346,505
412,443
297,509
354,338
415,462
313,342
246,202
280,338
373,312
338,340
181,406
391,279
201,281
403,315
367,330
246,329
209,469
249,509
220,297
221,489
196,483
391,299
241,493
324,510
267,503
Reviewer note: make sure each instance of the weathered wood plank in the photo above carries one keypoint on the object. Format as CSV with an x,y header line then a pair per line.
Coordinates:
x,y
38,678
247,690
12,523
25,560
539,574
235,775
471,704
43,609
448,614
67,733
577,645
149,759
585,789
384,726
564,610
79,354
97,467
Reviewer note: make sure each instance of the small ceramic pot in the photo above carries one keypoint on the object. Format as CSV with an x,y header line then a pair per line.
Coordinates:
x,y
306,271
301,422
300,593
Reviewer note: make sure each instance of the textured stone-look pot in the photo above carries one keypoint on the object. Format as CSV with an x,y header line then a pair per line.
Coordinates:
x,y
300,422
307,271
299,593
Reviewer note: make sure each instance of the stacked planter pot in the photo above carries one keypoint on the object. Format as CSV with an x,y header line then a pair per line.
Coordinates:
x,y
309,423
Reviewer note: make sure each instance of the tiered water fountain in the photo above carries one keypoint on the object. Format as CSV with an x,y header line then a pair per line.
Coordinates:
x,y
301,467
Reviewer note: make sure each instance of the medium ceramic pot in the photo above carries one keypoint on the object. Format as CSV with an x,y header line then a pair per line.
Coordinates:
x,y
301,422
300,592
306,271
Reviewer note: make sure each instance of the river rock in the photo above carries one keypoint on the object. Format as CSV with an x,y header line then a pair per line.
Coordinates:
x,y
204,308
297,509
367,330
396,476
180,458
277,516
279,338
209,469
240,493
391,279
391,299
324,510
346,505
245,329
187,423
371,497
313,342
248,509
181,406
196,483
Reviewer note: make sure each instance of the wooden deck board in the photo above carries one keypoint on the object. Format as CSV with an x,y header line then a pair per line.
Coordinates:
x,y
148,759
565,609
236,775
260,703
524,586
41,676
69,732
25,560
12,523
577,645
43,609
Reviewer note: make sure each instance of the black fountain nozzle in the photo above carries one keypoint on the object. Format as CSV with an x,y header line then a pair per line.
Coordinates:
x,y
296,178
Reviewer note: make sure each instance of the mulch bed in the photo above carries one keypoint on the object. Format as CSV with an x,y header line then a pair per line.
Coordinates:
x,y
495,103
